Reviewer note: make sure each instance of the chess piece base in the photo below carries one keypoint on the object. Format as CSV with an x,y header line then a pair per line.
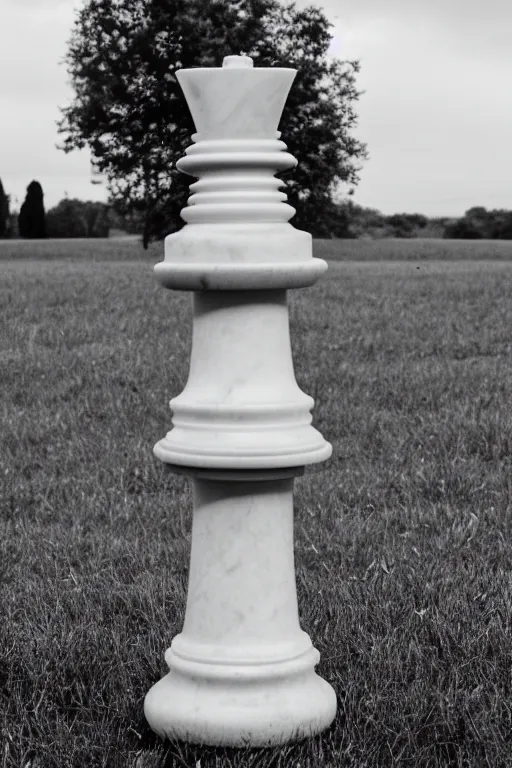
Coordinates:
x,y
243,713
242,671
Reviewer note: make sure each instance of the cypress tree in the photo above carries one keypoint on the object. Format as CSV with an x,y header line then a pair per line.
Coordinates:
x,y
32,219
4,212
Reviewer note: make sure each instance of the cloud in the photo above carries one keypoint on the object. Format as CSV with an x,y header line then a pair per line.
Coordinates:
x,y
434,112
466,25
38,5
33,41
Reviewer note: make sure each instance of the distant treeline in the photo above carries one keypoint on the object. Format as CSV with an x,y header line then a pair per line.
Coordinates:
x,y
348,220
79,218
69,218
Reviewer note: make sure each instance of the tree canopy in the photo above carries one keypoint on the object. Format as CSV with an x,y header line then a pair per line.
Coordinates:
x,y
129,109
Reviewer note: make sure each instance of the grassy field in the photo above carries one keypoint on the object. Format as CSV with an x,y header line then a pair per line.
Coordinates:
x,y
403,539
390,249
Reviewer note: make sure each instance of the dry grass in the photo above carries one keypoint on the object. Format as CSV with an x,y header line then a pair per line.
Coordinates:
x,y
403,539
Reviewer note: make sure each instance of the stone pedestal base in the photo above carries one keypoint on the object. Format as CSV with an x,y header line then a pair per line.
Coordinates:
x,y
244,713
242,670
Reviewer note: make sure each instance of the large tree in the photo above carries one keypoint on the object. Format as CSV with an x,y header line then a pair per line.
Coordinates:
x,y
32,219
129,109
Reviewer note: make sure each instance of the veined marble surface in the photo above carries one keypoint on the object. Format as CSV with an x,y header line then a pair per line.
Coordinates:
x,y
237,256
236,102
242,671
237,233
242,407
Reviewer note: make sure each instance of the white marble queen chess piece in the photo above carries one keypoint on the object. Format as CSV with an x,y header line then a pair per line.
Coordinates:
x,y
242,671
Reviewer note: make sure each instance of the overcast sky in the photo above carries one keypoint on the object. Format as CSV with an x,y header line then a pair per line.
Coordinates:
x,y
436,113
